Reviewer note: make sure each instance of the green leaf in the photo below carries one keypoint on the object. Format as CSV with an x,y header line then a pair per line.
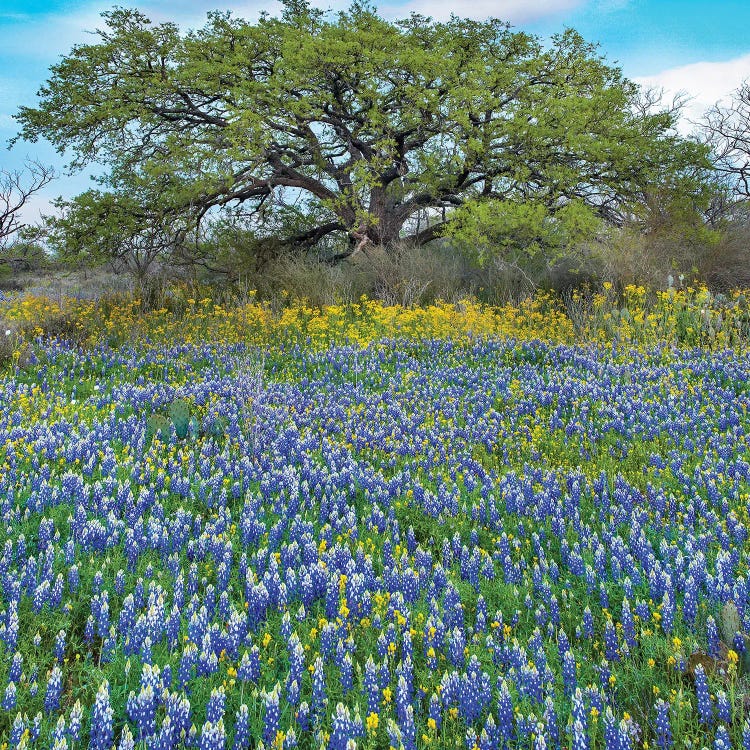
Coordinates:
x,y
157,425
179,412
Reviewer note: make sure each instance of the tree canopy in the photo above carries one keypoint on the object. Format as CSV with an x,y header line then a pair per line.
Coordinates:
x,y
365,123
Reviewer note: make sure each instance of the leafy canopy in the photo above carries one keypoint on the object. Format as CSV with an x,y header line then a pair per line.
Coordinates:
x,y
471,127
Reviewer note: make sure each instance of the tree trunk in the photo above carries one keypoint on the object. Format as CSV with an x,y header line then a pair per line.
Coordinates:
x,y
386,229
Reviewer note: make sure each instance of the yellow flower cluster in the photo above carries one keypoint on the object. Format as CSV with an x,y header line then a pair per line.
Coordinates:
x,y
635,316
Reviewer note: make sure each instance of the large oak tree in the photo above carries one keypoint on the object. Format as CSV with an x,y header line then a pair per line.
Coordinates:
x,y
368,123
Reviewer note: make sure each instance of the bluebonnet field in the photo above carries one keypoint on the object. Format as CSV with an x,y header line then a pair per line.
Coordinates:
x,y
471,543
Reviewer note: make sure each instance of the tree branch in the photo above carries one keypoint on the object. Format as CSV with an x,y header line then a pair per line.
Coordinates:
x,y
16,188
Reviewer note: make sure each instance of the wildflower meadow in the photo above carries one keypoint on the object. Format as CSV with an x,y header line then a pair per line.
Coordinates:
x,y
229,527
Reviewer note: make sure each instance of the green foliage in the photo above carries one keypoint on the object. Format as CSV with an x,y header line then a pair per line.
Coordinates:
x,y
364,122
157,425
179,413
99,226
186,424
520,230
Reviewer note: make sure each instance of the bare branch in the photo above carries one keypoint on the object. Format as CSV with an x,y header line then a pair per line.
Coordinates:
x,y
16,188
727,131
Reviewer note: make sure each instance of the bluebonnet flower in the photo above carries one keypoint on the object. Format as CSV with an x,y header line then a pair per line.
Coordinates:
x,y
187,663
213,736
215,706
9,698
344,729
142,711
409,730
550,722
531,683
166,739
705,708
178,709
272,716
346,667
248,669
59,649
625,741
58,733
101,733
75,720
16,731
16,666
489,738
286,626
395,736
588,623
663,726
372,687
611,646
456,646
242,728
722,740
318,700
303,716
36,726
580,737
293,692
54,690
642,610
628,624
569,673
611,731
88,630
435,711
723,707
667,613
505,713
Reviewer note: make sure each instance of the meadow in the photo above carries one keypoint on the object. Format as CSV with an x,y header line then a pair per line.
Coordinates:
x,y
376,527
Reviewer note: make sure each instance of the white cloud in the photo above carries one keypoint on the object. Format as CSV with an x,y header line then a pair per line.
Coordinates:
x,y
515,11
705,83
22,37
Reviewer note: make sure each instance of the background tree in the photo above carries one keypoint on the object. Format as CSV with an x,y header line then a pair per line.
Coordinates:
x,y
366,123
727,131
16,190
99,227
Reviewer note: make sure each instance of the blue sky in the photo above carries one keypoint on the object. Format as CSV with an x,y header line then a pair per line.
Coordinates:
x,y
695,46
